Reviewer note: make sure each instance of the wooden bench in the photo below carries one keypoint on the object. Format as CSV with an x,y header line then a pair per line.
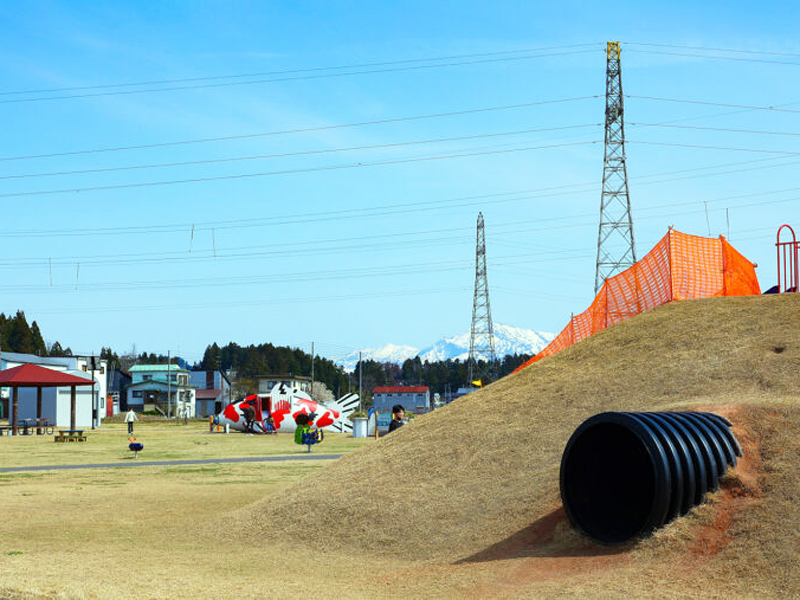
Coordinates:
x,y
70,435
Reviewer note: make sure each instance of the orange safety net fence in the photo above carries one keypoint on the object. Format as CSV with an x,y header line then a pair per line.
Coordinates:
x,y
679,267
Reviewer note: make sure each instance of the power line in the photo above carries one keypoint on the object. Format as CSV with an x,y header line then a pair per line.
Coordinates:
x,y
240,176
726,148
728,58
718,129
776,108
434,237
414,268
368,123
393,293
389,271
387,209
455,113
734,50
297,77
298,153
290,71
289,219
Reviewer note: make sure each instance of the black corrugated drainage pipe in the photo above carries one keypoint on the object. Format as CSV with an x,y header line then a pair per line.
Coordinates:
x,y
624,474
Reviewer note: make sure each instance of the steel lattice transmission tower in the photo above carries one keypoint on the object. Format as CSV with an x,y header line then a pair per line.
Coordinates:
x,y
615,247
481,335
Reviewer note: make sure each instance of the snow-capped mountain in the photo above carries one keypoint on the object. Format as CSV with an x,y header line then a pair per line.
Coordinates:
x,y
389,353
507,340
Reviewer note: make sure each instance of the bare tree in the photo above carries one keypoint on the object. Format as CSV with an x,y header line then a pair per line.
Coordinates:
x,y
321,393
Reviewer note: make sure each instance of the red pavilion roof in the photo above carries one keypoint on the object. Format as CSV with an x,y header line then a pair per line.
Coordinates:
x,y
29,375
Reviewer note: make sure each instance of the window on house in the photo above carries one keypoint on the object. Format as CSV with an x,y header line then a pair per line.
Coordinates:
x,y
137,393
147,377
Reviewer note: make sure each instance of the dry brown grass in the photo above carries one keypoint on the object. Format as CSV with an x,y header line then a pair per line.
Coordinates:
x,y
465,501
478,480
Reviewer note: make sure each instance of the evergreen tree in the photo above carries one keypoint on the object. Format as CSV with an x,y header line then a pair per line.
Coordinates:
x,y
20,336
38,340
211,358
111,357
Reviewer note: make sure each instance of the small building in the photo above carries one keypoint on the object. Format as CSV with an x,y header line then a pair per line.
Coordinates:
x,y
213,392
293,382
414,398
90,400
163,388
118,382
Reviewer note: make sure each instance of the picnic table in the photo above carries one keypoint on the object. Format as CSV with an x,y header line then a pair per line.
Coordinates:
x,y
38,425
29,426
70,435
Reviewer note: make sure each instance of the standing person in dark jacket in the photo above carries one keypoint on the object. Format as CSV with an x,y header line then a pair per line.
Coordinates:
x,y
397,417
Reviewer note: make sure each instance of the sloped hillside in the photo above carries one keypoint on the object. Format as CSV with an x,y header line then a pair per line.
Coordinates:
x,y
479,478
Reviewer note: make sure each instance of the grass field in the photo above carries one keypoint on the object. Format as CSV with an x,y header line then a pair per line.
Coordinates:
x,y
463,502
115,532
162,440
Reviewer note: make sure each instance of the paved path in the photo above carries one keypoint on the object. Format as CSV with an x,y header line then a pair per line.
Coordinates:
x,y
170,463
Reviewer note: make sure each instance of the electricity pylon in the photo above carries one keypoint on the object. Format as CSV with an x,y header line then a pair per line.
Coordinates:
x,y
615,247
481,335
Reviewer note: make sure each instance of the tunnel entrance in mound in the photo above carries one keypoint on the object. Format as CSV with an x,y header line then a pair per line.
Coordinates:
x,y
609,483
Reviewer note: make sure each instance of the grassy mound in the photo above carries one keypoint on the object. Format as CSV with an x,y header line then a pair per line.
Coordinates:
x,y
478,479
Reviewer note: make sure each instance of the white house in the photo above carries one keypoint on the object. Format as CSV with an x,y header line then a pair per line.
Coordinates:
x,y
90,400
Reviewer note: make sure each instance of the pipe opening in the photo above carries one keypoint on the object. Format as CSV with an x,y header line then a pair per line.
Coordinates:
x,y
609,483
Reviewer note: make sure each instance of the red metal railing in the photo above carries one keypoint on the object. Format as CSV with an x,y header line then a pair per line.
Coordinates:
x,y
788,266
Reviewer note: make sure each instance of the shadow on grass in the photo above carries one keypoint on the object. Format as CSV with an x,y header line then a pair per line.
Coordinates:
x,y
539,540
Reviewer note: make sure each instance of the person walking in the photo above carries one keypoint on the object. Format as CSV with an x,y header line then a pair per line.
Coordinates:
x,y
130,417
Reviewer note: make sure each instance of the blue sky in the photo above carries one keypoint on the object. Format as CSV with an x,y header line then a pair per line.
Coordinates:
x,y
332,194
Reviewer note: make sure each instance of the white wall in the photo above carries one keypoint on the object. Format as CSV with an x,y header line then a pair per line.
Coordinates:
x,y
57,408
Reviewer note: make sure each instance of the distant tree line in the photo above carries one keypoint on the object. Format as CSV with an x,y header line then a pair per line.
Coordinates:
x,y
440,376
17,336
250,362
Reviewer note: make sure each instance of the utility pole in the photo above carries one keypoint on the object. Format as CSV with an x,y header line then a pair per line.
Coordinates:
x,y
360,396
94,400
312,369
615,246
169,383
481,335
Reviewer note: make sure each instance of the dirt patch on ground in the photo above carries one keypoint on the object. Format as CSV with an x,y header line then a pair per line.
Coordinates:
x,y
739,488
